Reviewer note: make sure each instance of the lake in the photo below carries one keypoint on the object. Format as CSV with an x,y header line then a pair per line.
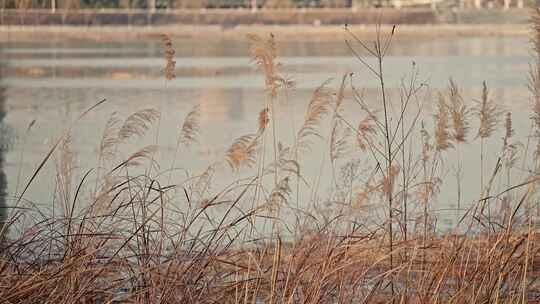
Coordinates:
x,y
54,82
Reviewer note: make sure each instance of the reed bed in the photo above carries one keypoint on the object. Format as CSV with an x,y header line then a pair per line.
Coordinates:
x,y
129,232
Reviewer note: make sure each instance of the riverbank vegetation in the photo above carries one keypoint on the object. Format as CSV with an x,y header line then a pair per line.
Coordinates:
x,y
367,231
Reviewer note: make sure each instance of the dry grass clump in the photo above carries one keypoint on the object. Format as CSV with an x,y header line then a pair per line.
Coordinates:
x,y
127,234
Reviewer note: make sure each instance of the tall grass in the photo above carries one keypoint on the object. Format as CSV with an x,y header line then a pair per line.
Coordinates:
x,y
127,234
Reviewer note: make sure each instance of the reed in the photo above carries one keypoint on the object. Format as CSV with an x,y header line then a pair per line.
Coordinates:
x,y
488,114
460,114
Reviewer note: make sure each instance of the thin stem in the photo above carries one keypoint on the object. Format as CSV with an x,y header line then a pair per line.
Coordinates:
x,y
388,163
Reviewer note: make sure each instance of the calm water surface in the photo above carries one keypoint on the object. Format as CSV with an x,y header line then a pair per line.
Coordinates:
x,y
53,83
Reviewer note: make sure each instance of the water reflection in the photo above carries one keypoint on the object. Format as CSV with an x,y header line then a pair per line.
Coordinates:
x,y
55,81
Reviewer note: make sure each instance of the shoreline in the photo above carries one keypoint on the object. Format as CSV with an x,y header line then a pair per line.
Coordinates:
x,y
284,32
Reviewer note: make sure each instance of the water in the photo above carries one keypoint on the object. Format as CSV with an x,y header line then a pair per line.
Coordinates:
x,y
53,82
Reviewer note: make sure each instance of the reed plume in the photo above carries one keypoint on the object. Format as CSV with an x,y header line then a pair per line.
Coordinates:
x,y
264,54
137,124
243,151
460,114
318,107
105,196
442,127
109,139
263,120
64,172
170,64
146,153
366,128
340,133
190,128
204,181
286,163
511,155
279,195
488,114
339,140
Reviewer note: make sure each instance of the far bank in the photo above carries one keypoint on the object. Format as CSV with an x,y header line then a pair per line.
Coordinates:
x,y
283,32
234,17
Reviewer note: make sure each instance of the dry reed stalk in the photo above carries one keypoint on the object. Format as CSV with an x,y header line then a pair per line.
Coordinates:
x,y
340,130
460,114
378,51
264,54
107,147
488,113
